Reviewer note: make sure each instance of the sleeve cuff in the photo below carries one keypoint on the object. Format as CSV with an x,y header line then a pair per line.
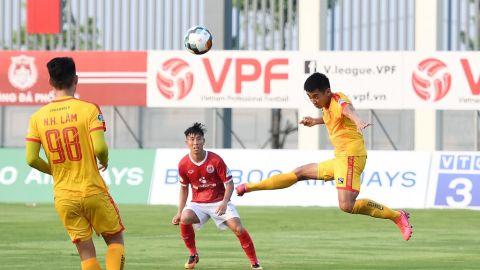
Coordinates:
x,y
33,140
98,128
343,103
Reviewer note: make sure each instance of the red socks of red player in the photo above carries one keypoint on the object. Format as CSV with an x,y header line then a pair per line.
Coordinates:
x,y
188,236
247,245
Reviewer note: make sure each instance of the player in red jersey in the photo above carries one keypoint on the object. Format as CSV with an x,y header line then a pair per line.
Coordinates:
x,y
212,187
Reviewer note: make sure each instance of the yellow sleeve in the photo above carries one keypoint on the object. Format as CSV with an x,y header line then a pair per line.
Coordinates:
x,y
32,133
100,147
96,121
344,98
34,160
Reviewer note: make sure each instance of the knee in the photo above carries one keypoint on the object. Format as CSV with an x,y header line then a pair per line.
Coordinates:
x,y
86,249
186,220
238,230
346,207
113,238
300,173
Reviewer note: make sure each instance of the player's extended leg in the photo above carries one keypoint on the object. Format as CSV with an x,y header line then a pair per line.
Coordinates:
x,y
188,235
347,176
245,241
283,180
348,203
88,256
115,258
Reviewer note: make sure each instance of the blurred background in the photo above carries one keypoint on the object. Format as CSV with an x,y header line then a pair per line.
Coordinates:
x,y
253,25
422,93
410,67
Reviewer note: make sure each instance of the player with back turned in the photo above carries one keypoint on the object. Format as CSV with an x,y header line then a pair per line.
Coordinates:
x,y
71,133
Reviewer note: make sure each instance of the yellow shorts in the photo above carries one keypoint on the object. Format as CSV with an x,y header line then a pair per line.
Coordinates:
x,y
345,171
82,214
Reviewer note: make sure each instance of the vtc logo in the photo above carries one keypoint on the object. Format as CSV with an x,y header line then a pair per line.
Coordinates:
x,y
432,80
175,79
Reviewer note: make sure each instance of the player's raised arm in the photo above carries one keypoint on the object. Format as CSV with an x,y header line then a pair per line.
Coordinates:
x,y
349,111
100,148
310,121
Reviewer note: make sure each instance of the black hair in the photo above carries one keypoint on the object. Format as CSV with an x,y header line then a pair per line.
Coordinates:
x,y
196,129
62,72
316,81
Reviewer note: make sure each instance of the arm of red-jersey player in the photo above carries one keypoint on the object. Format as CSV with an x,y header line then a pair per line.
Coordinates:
x,y
183,196
349,111
34,160
310,121
182,201
222,208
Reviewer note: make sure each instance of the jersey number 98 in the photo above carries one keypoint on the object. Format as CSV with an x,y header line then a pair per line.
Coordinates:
x,y
71,141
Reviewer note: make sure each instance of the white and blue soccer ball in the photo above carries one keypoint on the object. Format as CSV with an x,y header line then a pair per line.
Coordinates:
x,y
198,40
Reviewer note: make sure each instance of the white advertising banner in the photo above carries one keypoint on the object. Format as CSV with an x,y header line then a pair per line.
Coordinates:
x,y
274,79
222,79
372,80
402,80
397,179
442,80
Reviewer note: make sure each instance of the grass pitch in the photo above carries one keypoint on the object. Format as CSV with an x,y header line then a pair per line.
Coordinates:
x,y
290,238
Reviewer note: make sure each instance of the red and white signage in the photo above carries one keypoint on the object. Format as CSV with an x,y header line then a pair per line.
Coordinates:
x,y
236,79
250,79
401,80
106,78
442,80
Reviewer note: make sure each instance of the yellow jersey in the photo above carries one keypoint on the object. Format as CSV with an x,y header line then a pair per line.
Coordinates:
x,y
63,129
344,136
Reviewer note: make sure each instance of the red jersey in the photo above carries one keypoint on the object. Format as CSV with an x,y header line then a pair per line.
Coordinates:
x,y
207,177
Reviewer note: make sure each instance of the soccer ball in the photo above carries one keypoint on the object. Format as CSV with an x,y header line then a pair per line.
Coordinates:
x,y
198,40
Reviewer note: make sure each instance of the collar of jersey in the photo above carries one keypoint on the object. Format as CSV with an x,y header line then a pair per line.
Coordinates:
x,y
201,162
62,99
329,104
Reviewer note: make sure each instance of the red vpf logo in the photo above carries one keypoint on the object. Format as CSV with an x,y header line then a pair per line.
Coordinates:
x,y
432,80
175,79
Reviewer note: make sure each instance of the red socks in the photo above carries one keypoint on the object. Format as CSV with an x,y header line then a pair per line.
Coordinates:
x,y
247,245
188,236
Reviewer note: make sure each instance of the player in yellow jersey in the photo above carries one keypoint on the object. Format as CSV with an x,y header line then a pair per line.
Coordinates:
x,y
345,129
71,133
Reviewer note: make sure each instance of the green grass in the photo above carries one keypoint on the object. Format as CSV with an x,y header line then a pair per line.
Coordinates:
x,y
285,238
